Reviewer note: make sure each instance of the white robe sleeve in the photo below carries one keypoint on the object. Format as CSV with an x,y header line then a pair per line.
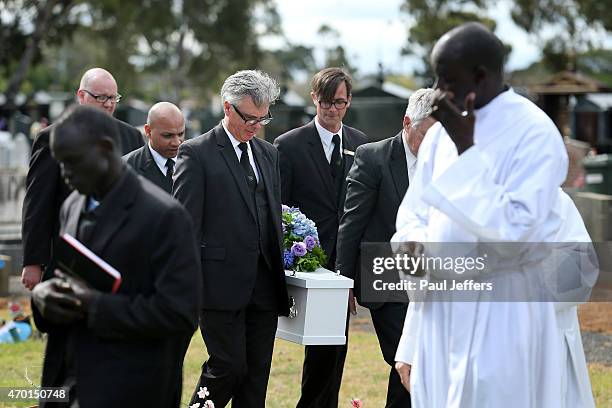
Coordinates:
x,y
469,194
410,334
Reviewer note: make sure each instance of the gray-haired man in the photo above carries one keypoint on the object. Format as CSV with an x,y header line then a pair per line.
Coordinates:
x,y
228,180
377,183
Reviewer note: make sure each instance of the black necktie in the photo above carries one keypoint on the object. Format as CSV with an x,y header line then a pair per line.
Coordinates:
x,y
336,160
170,171
246,166
87,224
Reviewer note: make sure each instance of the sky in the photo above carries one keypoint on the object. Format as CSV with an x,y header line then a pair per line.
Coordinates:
x,y
373,31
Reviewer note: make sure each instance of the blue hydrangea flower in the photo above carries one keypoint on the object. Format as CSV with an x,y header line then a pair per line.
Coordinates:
x,y
288,259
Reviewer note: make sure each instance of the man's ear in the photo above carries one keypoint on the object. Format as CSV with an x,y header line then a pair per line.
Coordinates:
x,y
406,122
107,144
147,129
480,74
314,97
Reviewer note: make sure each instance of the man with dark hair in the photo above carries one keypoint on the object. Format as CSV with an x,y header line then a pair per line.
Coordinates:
x,y
489,172
229,182
131,343
315,160
45,189
165,131
377,183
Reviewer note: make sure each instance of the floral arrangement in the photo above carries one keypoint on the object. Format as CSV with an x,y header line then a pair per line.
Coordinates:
x,y
302,251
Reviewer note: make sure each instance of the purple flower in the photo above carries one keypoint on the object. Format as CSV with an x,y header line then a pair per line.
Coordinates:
x,y
310,242
285,208
298,249
288,259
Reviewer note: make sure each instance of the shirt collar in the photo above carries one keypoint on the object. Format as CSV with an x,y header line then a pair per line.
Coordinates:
x,y
159,159
410,157
325,135
232,138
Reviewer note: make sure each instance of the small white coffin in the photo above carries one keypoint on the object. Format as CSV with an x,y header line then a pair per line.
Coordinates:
x,y
318,313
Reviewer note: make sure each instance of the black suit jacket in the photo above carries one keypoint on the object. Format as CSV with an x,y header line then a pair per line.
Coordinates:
x,y
133,342
211,185
142,161
377,183
46,191
306,180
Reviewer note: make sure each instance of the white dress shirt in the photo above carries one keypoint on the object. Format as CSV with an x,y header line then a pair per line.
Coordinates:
x,y
411,159
160,160
326,139
235,143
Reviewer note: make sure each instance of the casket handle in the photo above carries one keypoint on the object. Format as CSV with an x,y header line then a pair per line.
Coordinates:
x,y
293,312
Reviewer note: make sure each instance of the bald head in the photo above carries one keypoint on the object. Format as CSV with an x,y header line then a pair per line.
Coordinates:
x,y
86,143
473,44
469,58
98,88
165,128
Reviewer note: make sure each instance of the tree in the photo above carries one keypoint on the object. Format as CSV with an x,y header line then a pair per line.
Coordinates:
x,y
561,27
335,55
169,49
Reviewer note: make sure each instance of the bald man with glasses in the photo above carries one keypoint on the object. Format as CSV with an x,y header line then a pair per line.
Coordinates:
x,y
45,189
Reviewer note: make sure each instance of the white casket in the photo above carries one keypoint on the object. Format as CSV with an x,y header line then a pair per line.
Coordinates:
x,y
319,307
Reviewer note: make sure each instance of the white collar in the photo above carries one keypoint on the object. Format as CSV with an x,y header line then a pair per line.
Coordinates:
x,y
326,136
235,142
410,157
159,159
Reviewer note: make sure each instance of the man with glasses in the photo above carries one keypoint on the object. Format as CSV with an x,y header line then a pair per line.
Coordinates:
x,y
315,160
228,180
45,189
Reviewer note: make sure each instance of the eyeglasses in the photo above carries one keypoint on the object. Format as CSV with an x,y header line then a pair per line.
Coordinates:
x,y
104,98
253,121
338,104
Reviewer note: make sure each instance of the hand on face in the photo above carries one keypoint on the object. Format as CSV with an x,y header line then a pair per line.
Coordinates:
x,y
458,125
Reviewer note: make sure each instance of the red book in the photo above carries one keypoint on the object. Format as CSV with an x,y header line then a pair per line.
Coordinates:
x,y
74,258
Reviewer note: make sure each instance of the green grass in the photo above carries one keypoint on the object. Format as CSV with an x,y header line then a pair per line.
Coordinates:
x,y
365,374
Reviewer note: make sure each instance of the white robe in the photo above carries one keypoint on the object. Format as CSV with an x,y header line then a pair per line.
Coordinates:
x,y
502,189
576,387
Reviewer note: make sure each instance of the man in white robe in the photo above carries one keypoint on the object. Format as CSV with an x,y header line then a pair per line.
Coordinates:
x,y
490,174
575,384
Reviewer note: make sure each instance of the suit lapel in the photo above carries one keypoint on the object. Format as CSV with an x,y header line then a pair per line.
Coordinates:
x,y
149,167
266,168
398,167
318,156
72,222
348,145
114,211
229,155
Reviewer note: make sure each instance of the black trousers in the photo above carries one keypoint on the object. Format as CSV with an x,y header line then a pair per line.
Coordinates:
x,y
388,322
322,374
240,345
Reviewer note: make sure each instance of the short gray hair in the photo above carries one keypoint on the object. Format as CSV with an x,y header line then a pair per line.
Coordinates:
x,y
420,105
262,89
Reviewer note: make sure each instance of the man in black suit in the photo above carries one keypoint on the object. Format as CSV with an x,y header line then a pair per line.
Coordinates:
x,y
228,180
122,349
377,183
155,161
315,160
45,189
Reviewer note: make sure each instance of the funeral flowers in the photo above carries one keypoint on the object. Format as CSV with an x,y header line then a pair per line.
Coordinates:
x,y
301,249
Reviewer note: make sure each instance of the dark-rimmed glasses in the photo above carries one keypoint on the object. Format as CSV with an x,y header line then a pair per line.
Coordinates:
x,y
338,104
103,98
250,121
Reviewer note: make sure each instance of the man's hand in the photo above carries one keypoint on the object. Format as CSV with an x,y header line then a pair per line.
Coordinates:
x,y
458,125
351,303
403,369
31,275
79,290
55,303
